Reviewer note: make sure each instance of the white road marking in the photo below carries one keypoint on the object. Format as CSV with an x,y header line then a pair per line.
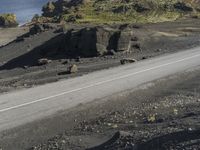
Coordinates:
x,y
95,84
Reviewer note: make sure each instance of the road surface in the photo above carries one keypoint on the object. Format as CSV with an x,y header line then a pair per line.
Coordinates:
x,y
20,107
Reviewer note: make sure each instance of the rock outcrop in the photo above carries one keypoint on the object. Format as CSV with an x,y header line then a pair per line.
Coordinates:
x,y
95,41
39,28
91,41
8,20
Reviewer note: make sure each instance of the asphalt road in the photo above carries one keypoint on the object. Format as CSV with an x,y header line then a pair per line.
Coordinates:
x,y
20,107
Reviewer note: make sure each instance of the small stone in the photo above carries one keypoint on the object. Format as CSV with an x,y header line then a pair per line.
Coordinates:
x,y
109,124
175,111
134,39
136,46
155,107
44,61
20,39
151,118
73,69
63,141
115,126
65,62
112,52
159,50
78,59
144,57
189,129
127,60
25,67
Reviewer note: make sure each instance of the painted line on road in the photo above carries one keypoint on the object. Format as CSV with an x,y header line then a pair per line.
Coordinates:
x,y
95,84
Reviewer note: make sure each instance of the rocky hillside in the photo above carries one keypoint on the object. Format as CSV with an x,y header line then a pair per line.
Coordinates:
x,y
112,11
8,20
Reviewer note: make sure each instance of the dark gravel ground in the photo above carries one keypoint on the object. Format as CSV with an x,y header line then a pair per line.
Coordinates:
x,y
153,39
162,115
158,119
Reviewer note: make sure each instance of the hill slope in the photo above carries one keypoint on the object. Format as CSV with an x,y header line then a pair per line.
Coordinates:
x,y
112,11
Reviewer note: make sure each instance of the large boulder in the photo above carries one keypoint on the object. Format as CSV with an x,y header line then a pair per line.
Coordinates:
x,y
8,20
89,42
37,28
124,41
181,6
94,41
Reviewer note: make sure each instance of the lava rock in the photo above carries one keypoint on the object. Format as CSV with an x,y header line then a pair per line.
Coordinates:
x,y
37,28
94,41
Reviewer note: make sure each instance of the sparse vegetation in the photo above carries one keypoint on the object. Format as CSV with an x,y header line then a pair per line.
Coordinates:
x,y
120,11
8,20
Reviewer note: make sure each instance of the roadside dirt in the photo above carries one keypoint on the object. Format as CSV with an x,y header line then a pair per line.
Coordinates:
x,y
7,35
163,114
153,40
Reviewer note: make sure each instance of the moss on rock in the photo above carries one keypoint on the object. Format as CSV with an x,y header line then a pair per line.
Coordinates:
x,y
8,20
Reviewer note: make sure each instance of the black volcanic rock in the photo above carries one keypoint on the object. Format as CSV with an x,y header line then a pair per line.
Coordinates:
x,y
90,41
183,7
95,41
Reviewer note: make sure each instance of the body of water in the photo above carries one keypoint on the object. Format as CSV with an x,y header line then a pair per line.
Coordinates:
x,y
24,9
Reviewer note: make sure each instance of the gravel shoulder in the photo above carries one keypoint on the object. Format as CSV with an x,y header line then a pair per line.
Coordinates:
x,y
163,114
7,35
155,113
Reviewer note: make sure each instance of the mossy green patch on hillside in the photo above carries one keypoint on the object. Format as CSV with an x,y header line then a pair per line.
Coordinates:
x,y
121,11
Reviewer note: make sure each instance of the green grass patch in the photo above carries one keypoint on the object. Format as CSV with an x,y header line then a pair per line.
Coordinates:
x,y
132,11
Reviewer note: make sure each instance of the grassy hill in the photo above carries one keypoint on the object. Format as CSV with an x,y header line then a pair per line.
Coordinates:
x,y
120,11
